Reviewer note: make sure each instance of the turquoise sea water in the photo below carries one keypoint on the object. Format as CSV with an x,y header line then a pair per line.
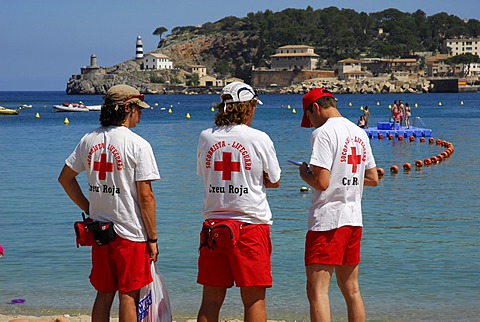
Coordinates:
x,y
421,246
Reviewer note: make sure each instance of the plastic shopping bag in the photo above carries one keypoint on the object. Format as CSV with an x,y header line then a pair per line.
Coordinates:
x,y
154,304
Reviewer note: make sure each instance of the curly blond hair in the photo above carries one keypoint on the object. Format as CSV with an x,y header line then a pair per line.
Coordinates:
x,y
234,113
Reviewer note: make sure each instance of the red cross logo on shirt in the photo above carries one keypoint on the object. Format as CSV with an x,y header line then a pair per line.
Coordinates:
x,y
227,166
354,159
103,167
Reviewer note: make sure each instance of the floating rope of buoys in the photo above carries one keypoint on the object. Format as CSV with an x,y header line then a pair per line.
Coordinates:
x,y
435,159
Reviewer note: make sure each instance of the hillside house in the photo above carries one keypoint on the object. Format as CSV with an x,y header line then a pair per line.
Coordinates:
x,y
156,61
200,70
351,69
459,46
294,57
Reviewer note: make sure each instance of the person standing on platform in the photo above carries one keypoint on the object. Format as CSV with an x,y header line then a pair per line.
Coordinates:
x,y
120,166
341,164
237,163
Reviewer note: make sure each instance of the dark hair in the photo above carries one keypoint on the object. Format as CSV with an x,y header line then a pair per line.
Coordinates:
x,y
112,113
233,113
326,102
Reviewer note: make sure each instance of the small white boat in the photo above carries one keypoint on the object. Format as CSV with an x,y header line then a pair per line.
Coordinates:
x,y
24,106
80,107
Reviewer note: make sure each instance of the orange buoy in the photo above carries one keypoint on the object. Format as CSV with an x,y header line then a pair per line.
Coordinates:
x,y
439,158
438,142
422,139
434,159
380,136
418,163
394,169
400,138
380,172
444,154
431,140
427,161
407,166
390,136
412,138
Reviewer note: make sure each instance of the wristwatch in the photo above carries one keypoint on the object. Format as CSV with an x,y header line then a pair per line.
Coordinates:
x,y
153,241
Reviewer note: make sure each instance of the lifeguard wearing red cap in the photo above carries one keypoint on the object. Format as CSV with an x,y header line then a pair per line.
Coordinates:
x,y
309,99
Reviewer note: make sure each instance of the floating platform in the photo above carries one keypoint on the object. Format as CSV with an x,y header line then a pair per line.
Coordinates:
x,y
387,128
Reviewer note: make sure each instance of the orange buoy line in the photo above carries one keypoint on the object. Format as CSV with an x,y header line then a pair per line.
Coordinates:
x,y
446,153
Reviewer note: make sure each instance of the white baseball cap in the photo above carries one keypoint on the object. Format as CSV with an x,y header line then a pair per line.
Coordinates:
x,y
240,92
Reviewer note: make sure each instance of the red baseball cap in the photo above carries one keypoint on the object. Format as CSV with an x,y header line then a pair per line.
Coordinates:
x,y
308,100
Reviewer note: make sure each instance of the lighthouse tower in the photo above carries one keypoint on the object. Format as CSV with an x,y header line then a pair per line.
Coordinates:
x,y
139,48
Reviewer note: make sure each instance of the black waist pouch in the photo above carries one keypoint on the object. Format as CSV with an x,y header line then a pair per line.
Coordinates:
x,y
102,231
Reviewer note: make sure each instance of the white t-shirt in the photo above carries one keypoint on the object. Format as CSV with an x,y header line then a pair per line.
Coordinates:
x,y
343,148
232,160
114,159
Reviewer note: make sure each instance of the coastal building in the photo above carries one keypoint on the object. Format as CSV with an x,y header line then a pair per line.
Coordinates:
x,y
139,48
459,46
200,70
93,68
294,57
351,69
156,61
378,66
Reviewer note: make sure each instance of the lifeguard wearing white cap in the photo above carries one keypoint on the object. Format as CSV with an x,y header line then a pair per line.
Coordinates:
x,y
240,92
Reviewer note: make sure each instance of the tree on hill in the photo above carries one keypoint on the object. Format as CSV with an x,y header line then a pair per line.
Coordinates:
x,y
158,32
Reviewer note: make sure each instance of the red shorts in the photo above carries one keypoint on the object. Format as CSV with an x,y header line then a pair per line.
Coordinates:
x,y
121,265
241,257
339,246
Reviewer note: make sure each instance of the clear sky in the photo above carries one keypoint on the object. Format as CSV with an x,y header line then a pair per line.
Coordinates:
x,y
44,42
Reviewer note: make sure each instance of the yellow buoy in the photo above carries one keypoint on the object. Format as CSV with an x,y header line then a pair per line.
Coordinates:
x,y
303,189
187,116
361,108
350,104
461,102
37,115
439,103
416,105
294,111
378,103
389,106
66,121
288,106
213,110
156,104
169,110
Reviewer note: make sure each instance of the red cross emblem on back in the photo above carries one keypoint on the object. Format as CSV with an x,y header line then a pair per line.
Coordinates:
x,y
227,166
354,159
103,167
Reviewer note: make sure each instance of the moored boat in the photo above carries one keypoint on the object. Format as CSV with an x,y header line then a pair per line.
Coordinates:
x,y
7,111
80,107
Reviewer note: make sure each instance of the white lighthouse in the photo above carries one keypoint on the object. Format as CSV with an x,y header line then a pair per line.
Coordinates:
x,y
139,48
